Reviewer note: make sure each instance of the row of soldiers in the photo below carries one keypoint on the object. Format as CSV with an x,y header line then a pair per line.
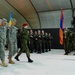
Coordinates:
x,y
39,42
69,41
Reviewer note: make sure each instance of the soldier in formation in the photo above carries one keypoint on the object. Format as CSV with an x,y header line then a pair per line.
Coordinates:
x,y
69,41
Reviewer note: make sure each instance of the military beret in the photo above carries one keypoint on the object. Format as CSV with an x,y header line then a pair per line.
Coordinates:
x,y
25,24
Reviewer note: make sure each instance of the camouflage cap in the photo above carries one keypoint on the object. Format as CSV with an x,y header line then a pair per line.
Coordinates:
x,y
13,19
4,19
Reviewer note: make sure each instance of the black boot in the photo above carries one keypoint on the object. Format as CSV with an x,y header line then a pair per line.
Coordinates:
x,y
29,60
66,53
19,53
17,58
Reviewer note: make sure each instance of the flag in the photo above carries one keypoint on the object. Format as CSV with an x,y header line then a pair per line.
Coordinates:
x,y
61,27
10,19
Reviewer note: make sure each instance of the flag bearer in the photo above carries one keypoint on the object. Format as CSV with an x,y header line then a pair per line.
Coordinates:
x,y
12,41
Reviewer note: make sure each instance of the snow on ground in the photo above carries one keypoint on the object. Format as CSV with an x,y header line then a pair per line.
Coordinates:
x,y
48,63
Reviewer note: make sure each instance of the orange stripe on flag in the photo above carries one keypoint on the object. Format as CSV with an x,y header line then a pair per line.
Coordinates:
x,y
61,36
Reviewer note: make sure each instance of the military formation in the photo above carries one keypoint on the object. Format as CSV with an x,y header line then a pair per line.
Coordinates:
x,y
69,41
39,41
22,40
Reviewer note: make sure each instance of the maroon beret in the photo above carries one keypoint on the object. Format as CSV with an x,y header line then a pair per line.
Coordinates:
x,y
25,24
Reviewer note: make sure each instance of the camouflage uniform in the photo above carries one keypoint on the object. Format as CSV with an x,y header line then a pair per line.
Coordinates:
x,y
67,41
24,40
12,38
12,41
2,43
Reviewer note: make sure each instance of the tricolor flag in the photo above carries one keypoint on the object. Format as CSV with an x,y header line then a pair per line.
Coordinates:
x,y
10,19
61,27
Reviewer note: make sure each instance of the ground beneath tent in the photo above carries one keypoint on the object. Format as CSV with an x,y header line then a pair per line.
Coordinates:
x,y
49,63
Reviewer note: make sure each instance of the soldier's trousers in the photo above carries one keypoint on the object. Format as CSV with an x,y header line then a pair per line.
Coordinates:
x,y
43,46
49,45
2,50
66,46
12,48
35,46
24,47
31,46
46,46
39,46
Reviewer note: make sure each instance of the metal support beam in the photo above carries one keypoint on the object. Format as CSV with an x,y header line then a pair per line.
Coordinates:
x,y
54,10
19,13
36,13
72,8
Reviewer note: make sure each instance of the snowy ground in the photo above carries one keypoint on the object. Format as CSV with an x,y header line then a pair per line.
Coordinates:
x,y
49,63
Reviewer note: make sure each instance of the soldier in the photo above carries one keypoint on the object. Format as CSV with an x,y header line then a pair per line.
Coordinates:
x,y
24,40
18,39
2,42
66,41
6,29
71,39
46,42
49,41
35,41
43,41
31,44
39,37
28,42
73,42
12,41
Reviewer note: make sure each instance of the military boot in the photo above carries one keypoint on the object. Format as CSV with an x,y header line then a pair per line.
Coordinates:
x,y
16,57
4,64
11,61
29,60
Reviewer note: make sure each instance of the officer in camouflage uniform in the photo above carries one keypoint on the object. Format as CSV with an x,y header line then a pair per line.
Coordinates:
x,y
24,39
12,41
67,41
2,42
6,29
